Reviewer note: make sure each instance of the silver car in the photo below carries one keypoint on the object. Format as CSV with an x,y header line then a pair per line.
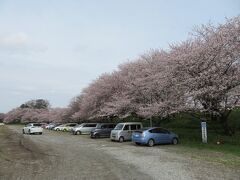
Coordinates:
x,y
84,128
123,131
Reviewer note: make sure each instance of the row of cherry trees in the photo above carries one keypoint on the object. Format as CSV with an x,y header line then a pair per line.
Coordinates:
x,y
26,115
36,111
201,74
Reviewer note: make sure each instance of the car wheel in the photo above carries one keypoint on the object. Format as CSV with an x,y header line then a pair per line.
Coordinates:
x,y
29,131
23,131
78,133
175,141
137,143
97,135
150,142
40,133
121,139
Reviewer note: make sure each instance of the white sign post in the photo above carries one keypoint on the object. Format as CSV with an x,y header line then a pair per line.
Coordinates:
x,y
204,132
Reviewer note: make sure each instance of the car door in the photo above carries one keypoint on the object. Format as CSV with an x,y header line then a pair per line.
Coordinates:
x,y
105,130
126,132
86,128
89,128
162,135
133,127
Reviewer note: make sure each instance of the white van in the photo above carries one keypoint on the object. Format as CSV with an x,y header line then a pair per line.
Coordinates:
x,y
123,131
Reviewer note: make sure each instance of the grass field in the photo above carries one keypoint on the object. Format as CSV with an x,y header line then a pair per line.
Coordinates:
x,y
189,131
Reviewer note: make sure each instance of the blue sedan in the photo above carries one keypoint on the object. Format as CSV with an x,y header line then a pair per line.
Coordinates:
x,y
154,135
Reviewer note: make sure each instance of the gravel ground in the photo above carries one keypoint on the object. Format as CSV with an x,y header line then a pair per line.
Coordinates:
x,y
58,155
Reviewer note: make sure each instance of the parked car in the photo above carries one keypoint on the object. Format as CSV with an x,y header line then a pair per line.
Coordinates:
x,y
52,125
123,131
152,136
65,127
102,130
32,128
2,124
84,128
43,125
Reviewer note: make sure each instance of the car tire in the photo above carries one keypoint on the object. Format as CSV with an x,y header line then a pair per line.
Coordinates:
x,y
78,133
150,143
137,143
40,133
57,129
175,141
121,139
29,131
23,131
97,136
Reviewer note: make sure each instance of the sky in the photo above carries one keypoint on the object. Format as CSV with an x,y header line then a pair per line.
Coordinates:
x,y
52,49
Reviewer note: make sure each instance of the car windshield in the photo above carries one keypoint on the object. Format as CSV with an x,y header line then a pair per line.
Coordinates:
x,y
99,126
118,127
80,125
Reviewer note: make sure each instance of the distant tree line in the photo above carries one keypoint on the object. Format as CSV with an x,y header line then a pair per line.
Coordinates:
x,y
200,76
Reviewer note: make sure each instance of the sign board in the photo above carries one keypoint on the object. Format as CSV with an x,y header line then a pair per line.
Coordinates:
x,y
204,132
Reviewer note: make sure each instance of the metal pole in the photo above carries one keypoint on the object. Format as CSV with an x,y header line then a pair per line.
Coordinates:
x,y
150,121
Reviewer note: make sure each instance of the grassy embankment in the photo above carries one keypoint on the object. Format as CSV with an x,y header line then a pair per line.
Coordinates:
x,y
189,131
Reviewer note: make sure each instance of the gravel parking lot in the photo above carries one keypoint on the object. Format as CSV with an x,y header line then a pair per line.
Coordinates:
x,y
59,155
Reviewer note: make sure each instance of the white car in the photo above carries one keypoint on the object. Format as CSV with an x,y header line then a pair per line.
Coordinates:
x,y
65,127
33,128
2,124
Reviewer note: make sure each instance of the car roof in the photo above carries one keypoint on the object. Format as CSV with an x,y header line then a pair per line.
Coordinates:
x,y
89,123
130,123
149,128
106,123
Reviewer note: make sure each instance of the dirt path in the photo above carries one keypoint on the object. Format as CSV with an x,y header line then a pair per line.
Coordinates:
x,y
57,155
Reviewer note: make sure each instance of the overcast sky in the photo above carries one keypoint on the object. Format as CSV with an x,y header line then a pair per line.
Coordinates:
x,y
53,49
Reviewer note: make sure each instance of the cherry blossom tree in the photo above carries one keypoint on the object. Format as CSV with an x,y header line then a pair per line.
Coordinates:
x,y
207,70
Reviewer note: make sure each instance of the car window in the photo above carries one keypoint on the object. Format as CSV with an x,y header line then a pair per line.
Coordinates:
x,y
159,131
104,126
138,126
37,125
112,126
72,125
126,127
153,130
90,125
133,127
163,131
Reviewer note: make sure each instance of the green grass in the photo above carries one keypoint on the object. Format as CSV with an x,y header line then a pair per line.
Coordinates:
x,y
192,138
189,130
